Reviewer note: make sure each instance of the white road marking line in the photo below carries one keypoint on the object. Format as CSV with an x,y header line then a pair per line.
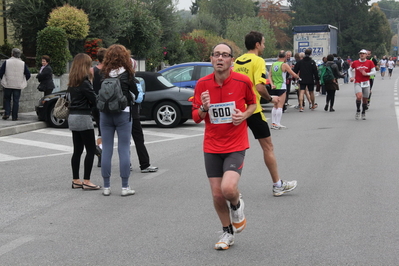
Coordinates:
x,y
39,144
69,149
14,244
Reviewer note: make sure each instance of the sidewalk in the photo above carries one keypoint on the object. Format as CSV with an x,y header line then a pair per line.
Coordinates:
x,y
26,122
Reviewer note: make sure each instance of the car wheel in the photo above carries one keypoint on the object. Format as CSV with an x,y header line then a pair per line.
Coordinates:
x,y
54,121
167,114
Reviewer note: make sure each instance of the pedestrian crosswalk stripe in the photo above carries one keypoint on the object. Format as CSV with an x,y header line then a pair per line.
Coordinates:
x,y
39,144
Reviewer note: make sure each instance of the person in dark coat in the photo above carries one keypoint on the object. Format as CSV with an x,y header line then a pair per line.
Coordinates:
x,y
45,76
332,85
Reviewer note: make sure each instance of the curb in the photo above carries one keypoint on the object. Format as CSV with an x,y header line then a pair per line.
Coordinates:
x,y
21,128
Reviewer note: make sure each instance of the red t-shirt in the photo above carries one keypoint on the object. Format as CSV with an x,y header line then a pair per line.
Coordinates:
x,y
358,66
226,137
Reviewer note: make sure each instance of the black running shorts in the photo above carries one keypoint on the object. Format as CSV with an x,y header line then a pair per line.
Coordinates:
x,y
259,127
216,164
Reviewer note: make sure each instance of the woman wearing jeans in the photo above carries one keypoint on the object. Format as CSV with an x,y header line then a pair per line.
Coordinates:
x,y
82,101
117,63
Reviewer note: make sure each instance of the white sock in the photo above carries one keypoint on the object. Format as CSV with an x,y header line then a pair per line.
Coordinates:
x,y
274,117
278,184
279,114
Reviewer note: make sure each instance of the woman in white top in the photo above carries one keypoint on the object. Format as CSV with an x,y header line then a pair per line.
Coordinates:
x,y
391,65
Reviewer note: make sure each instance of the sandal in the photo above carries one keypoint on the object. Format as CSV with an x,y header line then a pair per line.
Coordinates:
x,y
76,185
88,187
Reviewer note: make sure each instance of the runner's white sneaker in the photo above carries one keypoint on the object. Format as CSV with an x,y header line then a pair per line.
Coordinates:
x,y
238,218
357,116
274,126
226,240
286,186
363,116
281,126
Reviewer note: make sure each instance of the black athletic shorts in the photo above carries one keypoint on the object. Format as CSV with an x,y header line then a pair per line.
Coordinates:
x,y
303,87
216,164
277,92
259,127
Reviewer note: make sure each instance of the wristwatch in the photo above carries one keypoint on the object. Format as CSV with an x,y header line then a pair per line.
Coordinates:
x,y
203,109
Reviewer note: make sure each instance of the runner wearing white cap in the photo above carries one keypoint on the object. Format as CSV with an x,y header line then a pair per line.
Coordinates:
x,y
363,70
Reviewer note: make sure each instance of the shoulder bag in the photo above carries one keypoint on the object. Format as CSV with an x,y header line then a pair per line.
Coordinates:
x,y
61,110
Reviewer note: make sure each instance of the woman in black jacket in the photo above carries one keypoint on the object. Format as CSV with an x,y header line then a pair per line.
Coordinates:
x,y
45,76
82,100
332,85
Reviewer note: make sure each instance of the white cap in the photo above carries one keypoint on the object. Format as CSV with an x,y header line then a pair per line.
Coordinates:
x,y
363,51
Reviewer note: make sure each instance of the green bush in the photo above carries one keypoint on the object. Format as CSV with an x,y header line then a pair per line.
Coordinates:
x,y
74,21
52,41
6,48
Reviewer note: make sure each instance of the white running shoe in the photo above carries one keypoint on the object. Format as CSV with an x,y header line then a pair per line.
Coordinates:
x,y
238,218
106,191
363,116
357,116
127,191
286,186
281,126
226,240
274,126
150,169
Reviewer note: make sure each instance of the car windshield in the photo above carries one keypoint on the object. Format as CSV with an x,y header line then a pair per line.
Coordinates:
x,y
165,82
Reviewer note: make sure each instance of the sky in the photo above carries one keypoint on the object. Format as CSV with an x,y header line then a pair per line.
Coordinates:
x,y
185,4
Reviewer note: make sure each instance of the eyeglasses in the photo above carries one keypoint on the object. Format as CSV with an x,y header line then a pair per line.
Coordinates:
x,y
224,55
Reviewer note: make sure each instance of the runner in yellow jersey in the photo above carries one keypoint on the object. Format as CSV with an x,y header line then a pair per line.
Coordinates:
x,y
254,67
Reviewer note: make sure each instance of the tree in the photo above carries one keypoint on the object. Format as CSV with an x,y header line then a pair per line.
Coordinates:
x,y
142,33
28,17
279,21
74,21
203,21
52,41
238,28
226,10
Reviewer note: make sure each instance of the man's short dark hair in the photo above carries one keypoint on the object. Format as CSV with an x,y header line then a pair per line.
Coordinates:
x,y
308,51
281,54
330,57
252,38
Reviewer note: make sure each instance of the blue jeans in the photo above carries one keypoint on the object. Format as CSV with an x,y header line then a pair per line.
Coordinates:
x,y
346,78
109,123
15,94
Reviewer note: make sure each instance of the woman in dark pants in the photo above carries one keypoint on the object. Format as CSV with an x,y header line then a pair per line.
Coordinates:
x,y
97,77
45,76
332,85
82,100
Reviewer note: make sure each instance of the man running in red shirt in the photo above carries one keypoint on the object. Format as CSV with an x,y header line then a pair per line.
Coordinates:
x,y
363,70
225,99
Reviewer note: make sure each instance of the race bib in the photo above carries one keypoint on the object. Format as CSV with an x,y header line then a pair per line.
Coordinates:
x,y
365,84
221,113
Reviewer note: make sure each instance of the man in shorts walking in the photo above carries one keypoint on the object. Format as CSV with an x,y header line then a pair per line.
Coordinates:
x,y
253,66
308,74
278,74
224,99
363,70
